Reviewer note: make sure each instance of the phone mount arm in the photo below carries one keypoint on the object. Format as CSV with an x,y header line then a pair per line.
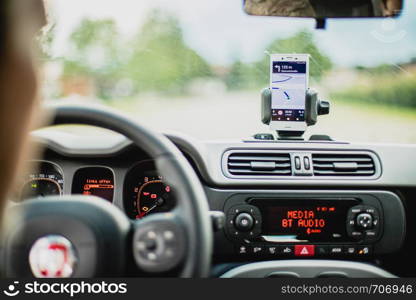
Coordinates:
x,y
314,107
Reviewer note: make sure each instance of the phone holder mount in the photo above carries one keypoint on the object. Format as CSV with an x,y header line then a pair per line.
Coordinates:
x,y
314,107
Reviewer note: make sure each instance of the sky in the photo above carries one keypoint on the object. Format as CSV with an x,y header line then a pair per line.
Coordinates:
x,y
220,31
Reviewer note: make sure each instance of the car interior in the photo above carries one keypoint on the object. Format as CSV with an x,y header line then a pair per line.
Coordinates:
x,y
129,200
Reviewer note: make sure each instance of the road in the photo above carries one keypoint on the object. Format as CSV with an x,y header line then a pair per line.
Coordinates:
x,y
237,115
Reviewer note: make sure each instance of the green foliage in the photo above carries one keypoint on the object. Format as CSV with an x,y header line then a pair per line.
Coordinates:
x,y
96,53
241,76
160,60
301,42
391,89
156,59
257,74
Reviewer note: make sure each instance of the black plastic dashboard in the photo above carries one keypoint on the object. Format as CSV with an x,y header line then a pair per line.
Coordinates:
x,y
382,189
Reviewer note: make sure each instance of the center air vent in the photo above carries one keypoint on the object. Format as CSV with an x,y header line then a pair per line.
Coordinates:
x,y
259,164
343,164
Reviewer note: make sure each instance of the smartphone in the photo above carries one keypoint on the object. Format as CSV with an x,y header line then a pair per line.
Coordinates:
x,y
289,74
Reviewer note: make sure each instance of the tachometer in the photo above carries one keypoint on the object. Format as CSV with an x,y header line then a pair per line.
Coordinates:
x,y
153,196
46,179
146,193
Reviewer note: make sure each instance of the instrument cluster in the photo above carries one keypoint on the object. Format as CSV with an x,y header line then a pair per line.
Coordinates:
x,y
144,191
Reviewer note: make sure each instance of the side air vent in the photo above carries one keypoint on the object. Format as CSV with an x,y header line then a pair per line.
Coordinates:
x,y
259,164
343,164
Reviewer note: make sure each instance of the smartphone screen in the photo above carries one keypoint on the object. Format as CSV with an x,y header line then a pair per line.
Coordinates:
x,y
288,83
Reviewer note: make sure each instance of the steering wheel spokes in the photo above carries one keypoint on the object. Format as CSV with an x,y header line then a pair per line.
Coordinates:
x,y
100,238
159,243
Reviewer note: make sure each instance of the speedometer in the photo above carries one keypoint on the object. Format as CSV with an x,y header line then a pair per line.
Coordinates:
x,y
46,179
146,193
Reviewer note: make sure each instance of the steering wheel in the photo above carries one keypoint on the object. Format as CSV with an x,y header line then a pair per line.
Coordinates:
x,y
92,238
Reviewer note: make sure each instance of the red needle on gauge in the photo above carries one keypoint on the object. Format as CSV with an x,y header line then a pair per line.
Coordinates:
x,y
159,202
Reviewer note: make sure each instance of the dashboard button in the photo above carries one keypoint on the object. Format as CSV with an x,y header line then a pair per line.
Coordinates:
x,y
364,250
286,250
370,233
297,163
304,250
356,210
356,234
321,250
257,250
243,249
244,222
336,250
351,250
272,250
307,163
365,221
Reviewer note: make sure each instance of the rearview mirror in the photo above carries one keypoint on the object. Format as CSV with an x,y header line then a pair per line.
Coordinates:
x,y
322,9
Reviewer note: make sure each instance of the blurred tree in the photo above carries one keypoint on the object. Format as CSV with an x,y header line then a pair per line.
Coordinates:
x,y
95,53
301,42
236,78
257,74
160,60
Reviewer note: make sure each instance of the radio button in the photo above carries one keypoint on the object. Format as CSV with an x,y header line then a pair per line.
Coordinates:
x,y
356,210
244,222
370,233
356,234
365,221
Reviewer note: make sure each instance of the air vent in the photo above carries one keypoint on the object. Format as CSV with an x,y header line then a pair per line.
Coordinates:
x,y
343,164
259,164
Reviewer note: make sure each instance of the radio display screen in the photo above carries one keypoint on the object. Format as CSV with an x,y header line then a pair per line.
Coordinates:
x,y
304,220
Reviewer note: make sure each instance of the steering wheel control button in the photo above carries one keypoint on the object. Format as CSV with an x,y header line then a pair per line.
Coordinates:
x,y
52,256
158,245
244,222
365,221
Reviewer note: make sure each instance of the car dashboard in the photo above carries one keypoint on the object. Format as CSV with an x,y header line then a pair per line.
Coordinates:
x,y
304,200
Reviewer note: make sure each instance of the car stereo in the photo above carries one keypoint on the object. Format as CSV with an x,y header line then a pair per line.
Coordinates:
x,y
316,225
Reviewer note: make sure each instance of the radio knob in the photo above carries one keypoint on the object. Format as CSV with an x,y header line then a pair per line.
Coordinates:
x,y
365,221
244,222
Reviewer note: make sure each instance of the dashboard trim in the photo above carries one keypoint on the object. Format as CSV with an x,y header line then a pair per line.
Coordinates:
x,y
207,158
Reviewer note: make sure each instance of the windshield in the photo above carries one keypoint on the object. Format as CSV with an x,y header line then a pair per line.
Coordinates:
x,y
197,67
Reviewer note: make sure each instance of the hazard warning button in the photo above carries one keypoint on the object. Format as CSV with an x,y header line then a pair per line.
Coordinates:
x,y
304,250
